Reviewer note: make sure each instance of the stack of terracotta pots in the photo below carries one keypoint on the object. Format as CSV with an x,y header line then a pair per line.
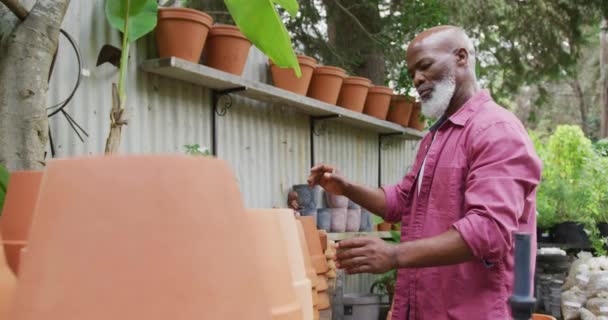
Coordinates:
x,y
184,33
18,212
330,254
112,253
318,260
310,269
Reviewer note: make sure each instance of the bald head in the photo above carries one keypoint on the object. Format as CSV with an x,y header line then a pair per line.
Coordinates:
x,y
441,61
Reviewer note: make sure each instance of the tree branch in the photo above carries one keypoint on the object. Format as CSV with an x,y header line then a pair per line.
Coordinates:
x,y
16,8
356,20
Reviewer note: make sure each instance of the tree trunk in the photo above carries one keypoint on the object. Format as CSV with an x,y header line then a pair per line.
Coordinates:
x,y
580,97
604,76
25,62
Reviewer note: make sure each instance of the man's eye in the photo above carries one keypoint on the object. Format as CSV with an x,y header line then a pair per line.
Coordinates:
x,y
425,66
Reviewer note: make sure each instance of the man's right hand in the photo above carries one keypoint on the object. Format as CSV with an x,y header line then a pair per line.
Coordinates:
x,y
326,177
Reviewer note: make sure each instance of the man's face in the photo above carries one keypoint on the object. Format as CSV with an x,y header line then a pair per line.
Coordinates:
x,y
433,72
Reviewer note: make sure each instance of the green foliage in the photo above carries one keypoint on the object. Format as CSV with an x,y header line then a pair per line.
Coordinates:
x,y
137,17
260,23
197,150
4,176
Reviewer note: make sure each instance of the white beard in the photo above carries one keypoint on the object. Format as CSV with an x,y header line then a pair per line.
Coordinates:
x,y
435,106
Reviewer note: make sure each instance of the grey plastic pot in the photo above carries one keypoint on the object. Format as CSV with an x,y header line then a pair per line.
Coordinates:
x,y
366,221
307,198
324,219
361,306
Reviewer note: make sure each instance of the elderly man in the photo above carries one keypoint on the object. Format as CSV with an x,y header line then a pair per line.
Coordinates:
x,y
473,184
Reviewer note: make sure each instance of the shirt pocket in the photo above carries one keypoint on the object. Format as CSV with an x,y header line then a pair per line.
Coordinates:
x,y
447,192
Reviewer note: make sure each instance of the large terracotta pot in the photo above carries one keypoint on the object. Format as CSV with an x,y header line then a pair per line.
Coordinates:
x,y
7,286
227,49
415,121
311,274
400,110
18,212
120,238
326,84
182,33
353,93
324,302
377,102
279,225
285,78
314,245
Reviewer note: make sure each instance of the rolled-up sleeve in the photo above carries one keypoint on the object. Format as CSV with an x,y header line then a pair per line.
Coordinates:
x,y
504,172
396,196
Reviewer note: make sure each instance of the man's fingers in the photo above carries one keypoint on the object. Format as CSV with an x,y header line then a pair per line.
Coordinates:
x,y
353,243
351,263
350,253
316,174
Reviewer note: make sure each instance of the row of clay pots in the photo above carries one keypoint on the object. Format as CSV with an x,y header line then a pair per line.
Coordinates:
x,y
184,33
111,238
331,85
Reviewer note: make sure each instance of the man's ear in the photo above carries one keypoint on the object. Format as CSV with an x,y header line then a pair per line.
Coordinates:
x,y
462,57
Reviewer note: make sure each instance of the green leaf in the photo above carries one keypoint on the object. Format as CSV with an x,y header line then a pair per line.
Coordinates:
x,y
4,176
260,23
140,15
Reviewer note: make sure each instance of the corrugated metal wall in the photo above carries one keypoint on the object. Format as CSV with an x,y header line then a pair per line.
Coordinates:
x,y
268,146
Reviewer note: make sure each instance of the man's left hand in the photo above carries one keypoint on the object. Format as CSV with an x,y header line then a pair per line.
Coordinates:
x,y
366,255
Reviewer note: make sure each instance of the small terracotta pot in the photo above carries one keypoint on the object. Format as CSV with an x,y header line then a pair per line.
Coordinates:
x,y
353,93
143,257
7,286
182,33
326,83
400,110
314,245
323,285
227,49
353,220
276,268
285,78
301,284
415,121
324,303
18,212
323,239
311,274
378,101
338,220
384,226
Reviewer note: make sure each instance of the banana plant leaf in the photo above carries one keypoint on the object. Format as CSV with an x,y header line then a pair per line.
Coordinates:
x,y
261,24
139,14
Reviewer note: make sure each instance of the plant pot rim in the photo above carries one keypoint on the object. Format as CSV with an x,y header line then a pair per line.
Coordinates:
x,y
401,97
381,89
302,60
226,30
186,14
330,70
358,81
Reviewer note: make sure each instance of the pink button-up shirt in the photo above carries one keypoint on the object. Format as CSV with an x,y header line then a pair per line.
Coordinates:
x,y
480,178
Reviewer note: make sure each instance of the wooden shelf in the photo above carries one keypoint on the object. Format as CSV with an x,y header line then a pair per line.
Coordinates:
x,y
218,80
339,236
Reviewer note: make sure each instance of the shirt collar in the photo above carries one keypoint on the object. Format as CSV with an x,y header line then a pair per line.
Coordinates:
x,y
469,108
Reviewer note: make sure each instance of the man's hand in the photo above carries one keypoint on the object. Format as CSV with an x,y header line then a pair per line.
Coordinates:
x,y
326,177
366,255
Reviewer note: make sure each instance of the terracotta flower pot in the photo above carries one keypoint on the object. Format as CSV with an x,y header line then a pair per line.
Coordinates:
x,y
182,33
323,301
14,251
227,49
323,239
323,284
314,245
301,283
400,110
415,121
326,84
338,220
353,93
7,286
378,101
142,256
285,78
384,226
310,270
353,220
277,270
